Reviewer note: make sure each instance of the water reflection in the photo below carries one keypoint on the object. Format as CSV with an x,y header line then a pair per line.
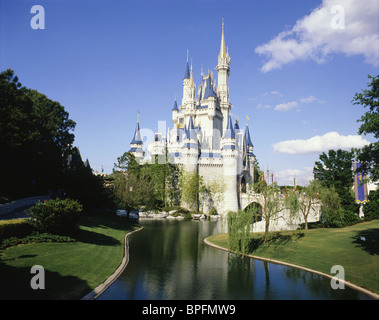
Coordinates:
x,y
168,261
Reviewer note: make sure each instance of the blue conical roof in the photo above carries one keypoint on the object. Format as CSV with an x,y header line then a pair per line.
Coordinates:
x,y
175,106
209,92
191,132
247,137
137,135
229,132
187,72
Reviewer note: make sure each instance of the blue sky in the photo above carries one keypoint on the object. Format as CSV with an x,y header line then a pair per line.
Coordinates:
x,y
295,67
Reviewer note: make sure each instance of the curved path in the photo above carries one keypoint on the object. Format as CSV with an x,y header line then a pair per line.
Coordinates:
x,y
347,283
104,286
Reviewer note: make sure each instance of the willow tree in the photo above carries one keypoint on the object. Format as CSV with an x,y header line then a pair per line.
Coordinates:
x,y
239,228
302,203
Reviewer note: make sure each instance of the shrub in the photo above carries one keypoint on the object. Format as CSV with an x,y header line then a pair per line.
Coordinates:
x,y
371,208
55,215
34,238
339,218
14,228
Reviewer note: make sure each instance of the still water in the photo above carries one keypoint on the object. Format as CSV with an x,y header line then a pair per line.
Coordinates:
x,y
168,260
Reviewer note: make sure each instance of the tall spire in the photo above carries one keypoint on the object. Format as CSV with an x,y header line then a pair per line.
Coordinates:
x,y
187,73
175,105
137,135
191,76
222,46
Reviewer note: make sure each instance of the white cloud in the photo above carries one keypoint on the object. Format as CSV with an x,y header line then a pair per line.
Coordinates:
x,y
308,99
285,106
317,144
294,104
349,27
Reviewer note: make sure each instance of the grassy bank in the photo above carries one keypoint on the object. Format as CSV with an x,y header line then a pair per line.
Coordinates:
x,y
72,269
356,248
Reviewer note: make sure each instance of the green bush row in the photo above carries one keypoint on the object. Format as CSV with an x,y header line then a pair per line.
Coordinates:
x,y
35,238
18,228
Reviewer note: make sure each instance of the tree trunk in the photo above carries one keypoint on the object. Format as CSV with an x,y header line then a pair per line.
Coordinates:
x,y
267,225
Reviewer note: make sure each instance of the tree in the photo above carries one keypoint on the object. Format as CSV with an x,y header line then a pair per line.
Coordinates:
x,y
273,203
332,214
165,179
239,227
335,169
127,162
133,191
191,184
369,154
35,139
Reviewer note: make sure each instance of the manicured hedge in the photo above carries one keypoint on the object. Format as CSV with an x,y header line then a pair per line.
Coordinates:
x,y
18,228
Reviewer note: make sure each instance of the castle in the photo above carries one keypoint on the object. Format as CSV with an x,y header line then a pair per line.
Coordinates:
x,y
204,138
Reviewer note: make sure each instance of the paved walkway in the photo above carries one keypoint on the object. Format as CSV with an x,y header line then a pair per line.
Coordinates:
x,y
18,214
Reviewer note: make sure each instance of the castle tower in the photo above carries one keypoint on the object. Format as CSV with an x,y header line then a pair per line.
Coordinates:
x,y
190,148
175,112
188,101
248,157
223,70
136,144
229,161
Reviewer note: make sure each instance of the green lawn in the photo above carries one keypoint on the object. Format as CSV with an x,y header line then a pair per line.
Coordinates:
x,y
356,248
72,269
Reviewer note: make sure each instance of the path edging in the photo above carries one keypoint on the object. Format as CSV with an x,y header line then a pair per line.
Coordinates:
x,y
95,293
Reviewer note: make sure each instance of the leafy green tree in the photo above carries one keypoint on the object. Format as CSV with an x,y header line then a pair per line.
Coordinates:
x,y
371,208
239,227
332,212
35,139
190,185
303,202
165,179
132,191
127,162
81,184
369,155
335,169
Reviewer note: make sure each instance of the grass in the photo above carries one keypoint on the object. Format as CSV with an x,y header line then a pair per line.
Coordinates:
x,y
72,269
355,248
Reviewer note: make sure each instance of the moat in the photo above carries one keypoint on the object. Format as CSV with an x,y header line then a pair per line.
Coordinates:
x,y
169,260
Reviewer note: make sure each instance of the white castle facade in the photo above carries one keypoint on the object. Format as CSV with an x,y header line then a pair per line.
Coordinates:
x,y
204,139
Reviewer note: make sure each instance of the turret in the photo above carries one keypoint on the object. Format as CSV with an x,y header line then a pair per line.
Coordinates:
x,y
229,161
190,148
136,144
175,112
248,157
188,101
